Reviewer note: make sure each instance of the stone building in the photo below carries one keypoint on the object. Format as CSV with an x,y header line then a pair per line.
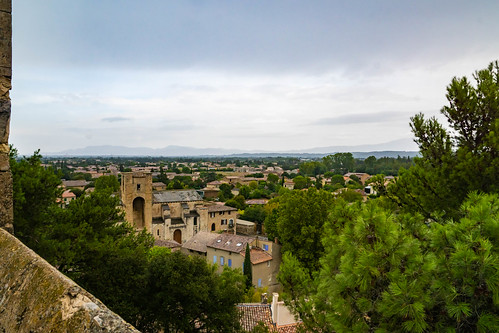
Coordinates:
x,y
175,214
171,214
265,256
218,218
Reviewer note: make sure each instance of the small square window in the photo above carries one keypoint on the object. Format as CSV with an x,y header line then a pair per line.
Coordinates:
x,y
138,187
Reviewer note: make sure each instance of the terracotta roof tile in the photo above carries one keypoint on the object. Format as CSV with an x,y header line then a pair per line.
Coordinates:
x,y
291,328
252,314
68,194
258,256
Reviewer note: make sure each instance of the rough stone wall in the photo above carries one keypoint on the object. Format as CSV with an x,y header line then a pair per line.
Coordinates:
x,y
35,297
6,212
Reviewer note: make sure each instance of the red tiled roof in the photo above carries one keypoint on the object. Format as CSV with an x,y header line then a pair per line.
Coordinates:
x,y
258,256
253,313
68,194
291,328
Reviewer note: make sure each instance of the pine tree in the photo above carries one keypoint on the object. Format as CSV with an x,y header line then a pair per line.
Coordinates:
x,y
457,161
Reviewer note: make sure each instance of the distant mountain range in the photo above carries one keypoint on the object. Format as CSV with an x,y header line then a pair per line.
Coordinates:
x,y
389,149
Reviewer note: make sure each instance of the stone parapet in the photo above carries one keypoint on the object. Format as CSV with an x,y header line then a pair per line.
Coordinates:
x,y
36,297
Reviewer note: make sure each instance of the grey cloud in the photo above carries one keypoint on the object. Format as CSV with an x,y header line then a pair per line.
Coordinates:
x,y
115,119
250,36
178,126
364,118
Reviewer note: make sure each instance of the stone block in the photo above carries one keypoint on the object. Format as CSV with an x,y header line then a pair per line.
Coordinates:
x,y
6,208
6,6
5,86
4,162
4,121
5,40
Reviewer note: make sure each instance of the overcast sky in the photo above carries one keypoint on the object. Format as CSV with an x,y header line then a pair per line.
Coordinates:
x,y
255,75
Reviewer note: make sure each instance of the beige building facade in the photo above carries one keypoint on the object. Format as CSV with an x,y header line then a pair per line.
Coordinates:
x,y
229,250
175,215
171,214
219,218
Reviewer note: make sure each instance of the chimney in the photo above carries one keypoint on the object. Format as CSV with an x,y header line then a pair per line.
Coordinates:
x,y
274,307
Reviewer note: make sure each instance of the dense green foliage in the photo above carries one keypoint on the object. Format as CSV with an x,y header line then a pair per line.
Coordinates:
x,y
110,183
185,294
35,191
388,272
301,182
225,192
255,213
341,163
298,224
237,202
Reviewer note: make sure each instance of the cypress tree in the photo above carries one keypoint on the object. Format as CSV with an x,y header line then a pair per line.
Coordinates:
x,y
247,267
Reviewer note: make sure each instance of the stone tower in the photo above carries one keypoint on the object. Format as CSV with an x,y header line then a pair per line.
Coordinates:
x,y
136,198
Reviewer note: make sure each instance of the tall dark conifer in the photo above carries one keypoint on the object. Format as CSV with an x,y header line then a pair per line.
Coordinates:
x,y
247,268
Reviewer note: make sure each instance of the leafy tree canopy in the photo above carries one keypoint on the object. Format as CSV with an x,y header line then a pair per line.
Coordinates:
x,y
300,218
35,192
110,183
